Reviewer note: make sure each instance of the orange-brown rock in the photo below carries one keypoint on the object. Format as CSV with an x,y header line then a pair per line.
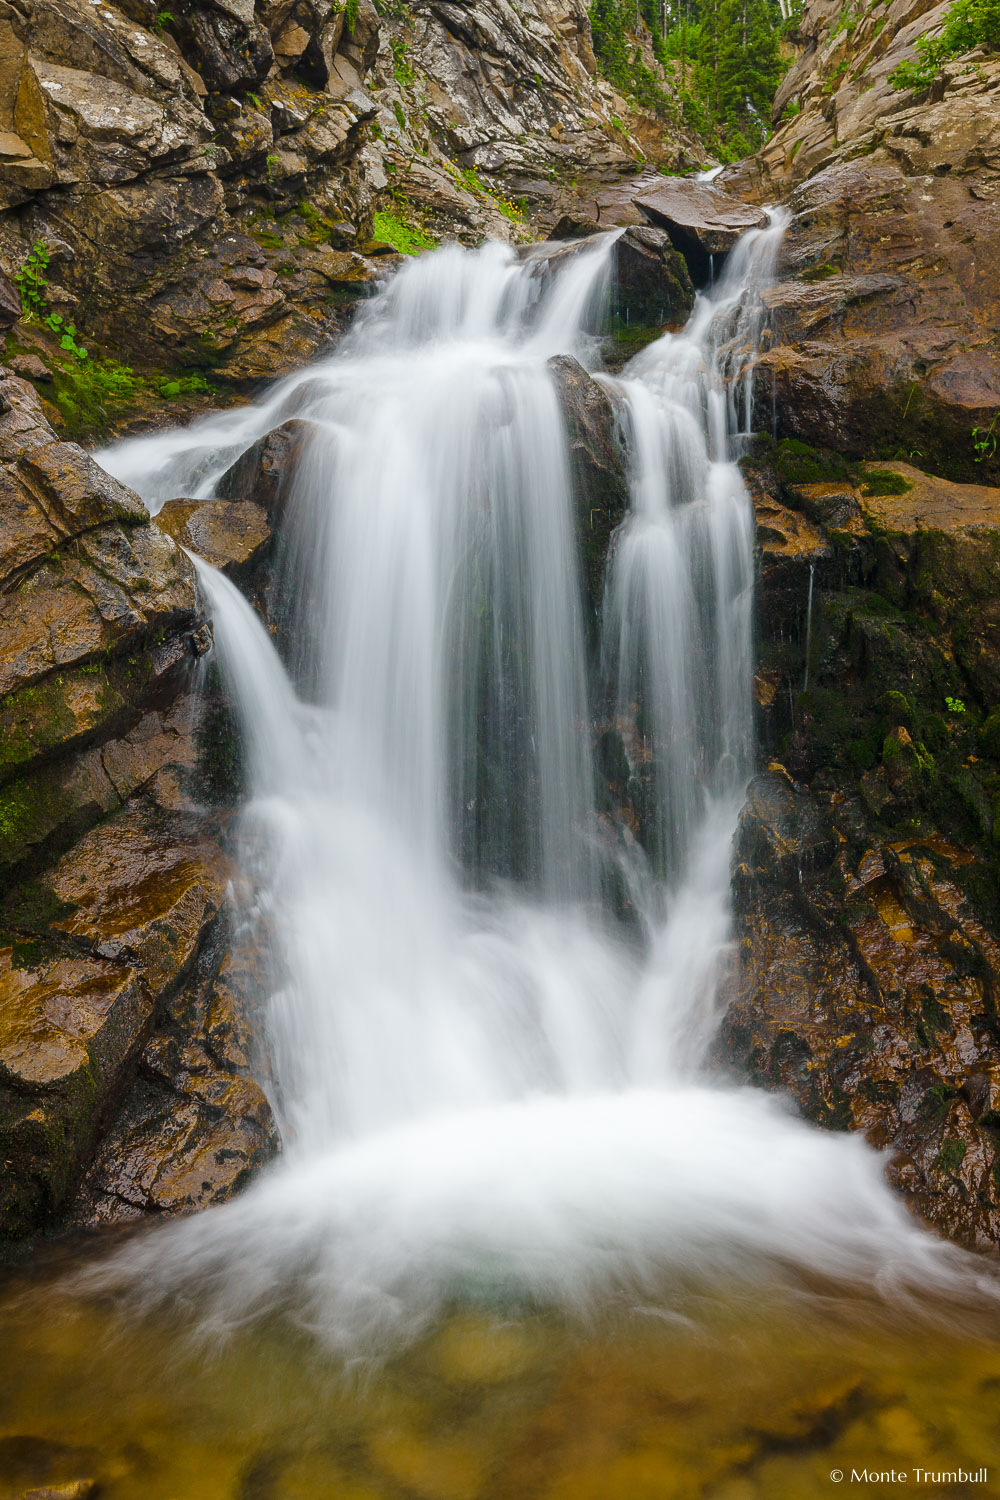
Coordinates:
x,y
230,534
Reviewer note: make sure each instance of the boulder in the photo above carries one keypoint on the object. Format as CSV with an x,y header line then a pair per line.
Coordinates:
x,y
652,286
69,1028
701,221
230,534
262,474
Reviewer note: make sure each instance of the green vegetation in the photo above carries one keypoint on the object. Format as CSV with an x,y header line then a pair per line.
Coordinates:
x,y
951,1156
92,397
968,25
471,179
351,11
984,441
721,57
392,230
32,280
401,66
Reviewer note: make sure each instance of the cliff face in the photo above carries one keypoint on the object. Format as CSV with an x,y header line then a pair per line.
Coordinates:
x,y
202,182
886,320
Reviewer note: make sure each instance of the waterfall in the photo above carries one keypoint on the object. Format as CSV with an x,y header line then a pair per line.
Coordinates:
x,y
488,1084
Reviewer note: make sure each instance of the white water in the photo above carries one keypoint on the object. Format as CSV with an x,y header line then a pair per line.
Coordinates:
x,y
487,1084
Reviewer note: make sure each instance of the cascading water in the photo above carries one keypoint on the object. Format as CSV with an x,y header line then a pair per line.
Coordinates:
x,y
486,1082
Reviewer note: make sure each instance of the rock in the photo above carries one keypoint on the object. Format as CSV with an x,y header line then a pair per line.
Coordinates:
x,y
68,1031
947,539
229,48
10,303
867,858
31,367
701,221
652,285
875,1013
95,623
230,534
599,467
196,1125
261,475
77,1489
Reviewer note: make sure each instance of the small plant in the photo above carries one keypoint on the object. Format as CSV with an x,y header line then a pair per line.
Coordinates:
x,y
66,333
984,441
954,705
352,9
400,114
256,102
184,385
272,163
162,20
401,66
32,280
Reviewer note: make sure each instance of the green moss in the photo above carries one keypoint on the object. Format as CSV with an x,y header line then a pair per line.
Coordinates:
x,y
884,482
951,1156
935,1104
820,272
798,463
29,809
391,230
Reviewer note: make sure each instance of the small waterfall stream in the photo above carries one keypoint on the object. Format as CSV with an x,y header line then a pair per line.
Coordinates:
x,y
487,1083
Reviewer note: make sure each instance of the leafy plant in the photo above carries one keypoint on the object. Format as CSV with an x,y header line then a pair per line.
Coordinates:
x,y
66,333
954,705
984,441
271,163
352,10
32,280
162,20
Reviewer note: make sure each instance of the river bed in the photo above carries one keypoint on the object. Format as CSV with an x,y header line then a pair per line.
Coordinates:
x,y
713,1400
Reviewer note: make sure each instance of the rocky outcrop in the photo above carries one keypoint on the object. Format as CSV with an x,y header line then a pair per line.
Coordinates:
x,y
210,189
702,222
233,535
112,926
885,320
867,865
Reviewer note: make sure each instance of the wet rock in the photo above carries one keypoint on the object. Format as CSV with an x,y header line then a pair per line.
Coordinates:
x,y
701,221
196,1125
263,473
866,866
230,534
651,291
599,467
95,618
68,1031
867,992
